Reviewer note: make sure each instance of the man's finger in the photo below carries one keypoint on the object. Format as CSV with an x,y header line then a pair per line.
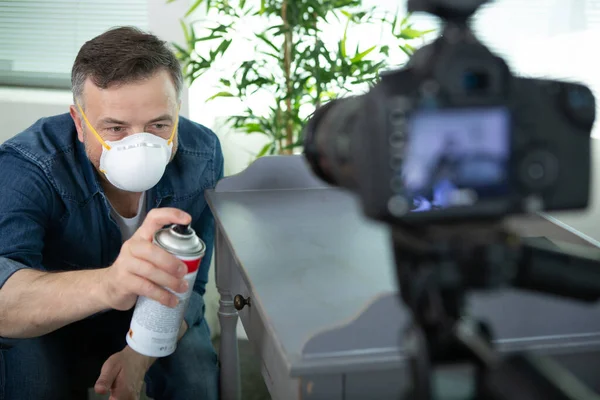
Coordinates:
x,y
149,271
159,217
120,391
143,287
108,374
160,258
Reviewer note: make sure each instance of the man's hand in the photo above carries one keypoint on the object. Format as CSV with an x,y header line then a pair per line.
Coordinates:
x,y
144,269
122,375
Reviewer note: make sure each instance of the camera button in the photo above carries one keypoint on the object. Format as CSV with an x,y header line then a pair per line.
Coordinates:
x,y
397,140
398,206
538,169
396,161
579,105
397,184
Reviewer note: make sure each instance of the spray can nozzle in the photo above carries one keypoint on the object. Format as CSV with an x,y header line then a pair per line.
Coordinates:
x,y
182,229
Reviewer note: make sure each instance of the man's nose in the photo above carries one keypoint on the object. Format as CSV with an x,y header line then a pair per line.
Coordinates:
x,y
136,129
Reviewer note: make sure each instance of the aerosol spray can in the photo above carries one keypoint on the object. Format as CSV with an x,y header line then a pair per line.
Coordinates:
x,y
154,327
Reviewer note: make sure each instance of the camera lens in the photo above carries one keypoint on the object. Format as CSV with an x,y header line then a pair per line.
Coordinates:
x,y
328,140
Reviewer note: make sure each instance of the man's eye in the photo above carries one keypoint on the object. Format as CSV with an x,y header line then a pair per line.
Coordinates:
x,y
160,126
116,129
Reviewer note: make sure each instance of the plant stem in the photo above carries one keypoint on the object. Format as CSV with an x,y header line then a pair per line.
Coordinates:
x,y
279,135
287,57
318,81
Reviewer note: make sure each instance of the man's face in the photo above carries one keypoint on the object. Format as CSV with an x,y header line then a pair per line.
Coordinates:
x,y
148,105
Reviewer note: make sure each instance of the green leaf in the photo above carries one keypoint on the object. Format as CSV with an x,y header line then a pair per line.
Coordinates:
x,y
395,22
275,56
263,37
253,128
193,8
242,4
220,94
292,146
224,46
184,53
409,33
221,28
362,55
405,50
264,150
206,38
344,39
406,19
170,1
262,6
186,32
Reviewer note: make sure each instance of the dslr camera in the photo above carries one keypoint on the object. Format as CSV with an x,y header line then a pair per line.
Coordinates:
x,y
455,135
442,150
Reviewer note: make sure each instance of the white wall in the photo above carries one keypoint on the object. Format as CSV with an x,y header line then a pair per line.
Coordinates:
x,y
20,107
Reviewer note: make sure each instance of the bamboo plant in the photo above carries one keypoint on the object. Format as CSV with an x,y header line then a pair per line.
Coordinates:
x,y
296,61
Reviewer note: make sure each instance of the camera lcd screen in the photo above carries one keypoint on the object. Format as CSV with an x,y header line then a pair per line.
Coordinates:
x,y
456,157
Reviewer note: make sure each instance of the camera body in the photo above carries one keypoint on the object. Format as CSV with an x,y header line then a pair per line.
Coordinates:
x,y
456,136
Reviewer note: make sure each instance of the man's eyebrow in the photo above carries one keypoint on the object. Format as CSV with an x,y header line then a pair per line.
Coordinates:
x,y
109,120
164,117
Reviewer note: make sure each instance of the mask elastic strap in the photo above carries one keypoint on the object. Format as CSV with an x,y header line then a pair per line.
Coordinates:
x,y
174,127
102,142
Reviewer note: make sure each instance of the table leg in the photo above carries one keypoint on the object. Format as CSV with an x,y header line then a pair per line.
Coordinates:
x,y
228,317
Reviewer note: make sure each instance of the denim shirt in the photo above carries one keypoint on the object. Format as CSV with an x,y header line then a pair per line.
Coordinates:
x,y
54,215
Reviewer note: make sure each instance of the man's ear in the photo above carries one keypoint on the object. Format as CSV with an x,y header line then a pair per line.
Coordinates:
x,y
77,120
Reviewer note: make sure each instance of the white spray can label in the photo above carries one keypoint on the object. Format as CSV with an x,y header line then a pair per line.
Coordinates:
x,y
154,328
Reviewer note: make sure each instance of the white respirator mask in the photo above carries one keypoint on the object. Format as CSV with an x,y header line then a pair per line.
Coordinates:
x,y
135,163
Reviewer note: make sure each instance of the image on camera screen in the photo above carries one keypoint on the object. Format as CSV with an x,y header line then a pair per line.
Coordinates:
x,y
456,157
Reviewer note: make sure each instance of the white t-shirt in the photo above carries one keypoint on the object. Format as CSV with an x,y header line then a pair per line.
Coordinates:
x,y
128,226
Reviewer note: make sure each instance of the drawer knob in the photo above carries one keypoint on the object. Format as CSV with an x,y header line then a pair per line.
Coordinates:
x,y
239,302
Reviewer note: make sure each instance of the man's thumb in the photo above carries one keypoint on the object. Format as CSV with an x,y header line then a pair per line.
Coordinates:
x,y
108,374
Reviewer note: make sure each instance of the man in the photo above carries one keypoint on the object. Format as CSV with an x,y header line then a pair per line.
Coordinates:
x,y
81,197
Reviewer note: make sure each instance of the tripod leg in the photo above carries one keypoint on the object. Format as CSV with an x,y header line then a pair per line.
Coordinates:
x,y
481,392
477,337
415,345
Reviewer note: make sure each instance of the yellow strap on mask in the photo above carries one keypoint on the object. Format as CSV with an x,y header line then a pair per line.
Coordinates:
x,y
102,142
175,126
